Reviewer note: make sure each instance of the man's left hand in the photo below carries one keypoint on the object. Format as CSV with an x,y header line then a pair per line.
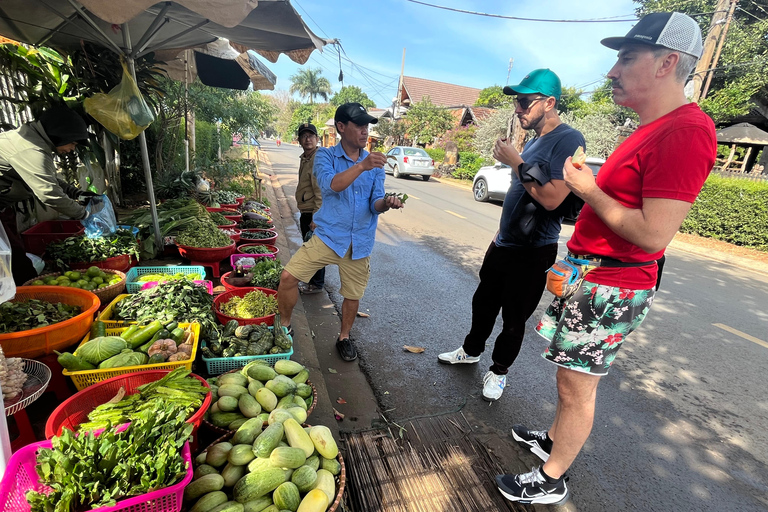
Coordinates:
x,y
392,202
580,181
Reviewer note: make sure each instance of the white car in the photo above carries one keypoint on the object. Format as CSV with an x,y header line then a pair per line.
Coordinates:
x,y
407,161
492,181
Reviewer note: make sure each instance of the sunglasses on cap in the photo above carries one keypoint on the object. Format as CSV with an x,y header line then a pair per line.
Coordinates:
x,y
525,103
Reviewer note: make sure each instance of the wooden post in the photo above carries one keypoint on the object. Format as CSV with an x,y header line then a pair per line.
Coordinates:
x,y
730,157
746,159
715,29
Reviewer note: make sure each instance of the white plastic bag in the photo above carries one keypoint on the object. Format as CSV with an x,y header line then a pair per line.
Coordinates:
x,y
7,284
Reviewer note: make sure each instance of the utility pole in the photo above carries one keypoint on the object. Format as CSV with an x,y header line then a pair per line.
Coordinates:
x,y
399,88
715,29
719,49
509,69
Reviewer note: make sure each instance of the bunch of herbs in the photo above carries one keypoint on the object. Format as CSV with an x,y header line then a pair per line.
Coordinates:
x,y
78,249
266,273
34,313
203,234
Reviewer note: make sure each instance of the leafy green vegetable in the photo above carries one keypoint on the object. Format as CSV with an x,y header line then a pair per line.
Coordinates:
x,y
203,234
255,304
256,235
255,249
400,196
255,224
219,219
173,216
266,273
86,471
80,248
100,349
34,313
127,357
226,196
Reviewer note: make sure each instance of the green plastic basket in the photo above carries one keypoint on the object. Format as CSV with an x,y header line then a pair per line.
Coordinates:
x,y
219,365
132,276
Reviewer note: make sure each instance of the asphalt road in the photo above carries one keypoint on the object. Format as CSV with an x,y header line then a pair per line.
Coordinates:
x,y
682,418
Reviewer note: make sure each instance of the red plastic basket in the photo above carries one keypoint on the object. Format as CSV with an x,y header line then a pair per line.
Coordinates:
x,y
262,241
37,238
273,249
240,200
121,263
232,206
241,292
204,254
74,411
228,226
44,340
223,211
21,477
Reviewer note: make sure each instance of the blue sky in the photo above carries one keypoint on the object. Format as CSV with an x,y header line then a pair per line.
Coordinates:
x,y
462,49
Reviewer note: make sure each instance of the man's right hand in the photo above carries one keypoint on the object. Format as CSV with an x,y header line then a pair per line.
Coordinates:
x,y
373,161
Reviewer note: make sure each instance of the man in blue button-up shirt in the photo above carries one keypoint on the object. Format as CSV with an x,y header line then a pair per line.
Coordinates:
x,y
352,184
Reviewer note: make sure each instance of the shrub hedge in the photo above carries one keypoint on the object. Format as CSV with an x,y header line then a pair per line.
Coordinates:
x,y
733,210
469,164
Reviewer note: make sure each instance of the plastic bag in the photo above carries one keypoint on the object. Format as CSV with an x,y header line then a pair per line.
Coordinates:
x,y
203,185
7,284
123,110
101,217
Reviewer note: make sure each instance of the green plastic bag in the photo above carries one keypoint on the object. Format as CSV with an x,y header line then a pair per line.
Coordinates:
x,y
123,110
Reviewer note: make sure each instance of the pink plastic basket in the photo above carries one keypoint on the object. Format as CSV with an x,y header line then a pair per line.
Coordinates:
x,y
236,257
20,477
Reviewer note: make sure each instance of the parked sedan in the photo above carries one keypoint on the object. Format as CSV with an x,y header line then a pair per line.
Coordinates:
x,y
406,161
492,182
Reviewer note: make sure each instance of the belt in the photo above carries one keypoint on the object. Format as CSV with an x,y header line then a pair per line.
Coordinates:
x,y
594,260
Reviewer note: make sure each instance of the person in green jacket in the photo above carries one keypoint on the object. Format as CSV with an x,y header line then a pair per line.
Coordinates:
x,y
28,173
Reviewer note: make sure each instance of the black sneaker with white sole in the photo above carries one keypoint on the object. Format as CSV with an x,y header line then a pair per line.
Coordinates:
x,y
536,441
531,488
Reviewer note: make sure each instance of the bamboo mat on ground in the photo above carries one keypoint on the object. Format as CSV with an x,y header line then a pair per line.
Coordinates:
x,y
431,464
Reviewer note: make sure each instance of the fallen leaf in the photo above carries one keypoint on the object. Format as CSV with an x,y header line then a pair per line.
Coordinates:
x,y
413,350
339,416
363,315
386,392
331,370
340,401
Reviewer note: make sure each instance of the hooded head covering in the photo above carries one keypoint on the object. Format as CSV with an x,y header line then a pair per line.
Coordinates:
x,y
63,126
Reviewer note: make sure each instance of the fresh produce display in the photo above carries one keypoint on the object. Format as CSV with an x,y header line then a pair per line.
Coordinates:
x,y
226,196
203,234
266,273
283,467
87,471
237,396
257,235
176,389
254,224
80,248
173,216
255,249
12,376
255,304
134,347
248,340
33,313
229,231
179,300
92,279
219,219
162,278
246,262
401,197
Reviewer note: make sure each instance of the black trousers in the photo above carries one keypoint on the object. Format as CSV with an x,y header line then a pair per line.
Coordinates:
x,y
512,280
21,266
305,220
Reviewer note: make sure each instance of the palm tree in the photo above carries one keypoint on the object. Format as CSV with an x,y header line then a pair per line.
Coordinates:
x,y
310,83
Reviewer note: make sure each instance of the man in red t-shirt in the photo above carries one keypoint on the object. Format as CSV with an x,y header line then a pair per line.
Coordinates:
x,y
633,210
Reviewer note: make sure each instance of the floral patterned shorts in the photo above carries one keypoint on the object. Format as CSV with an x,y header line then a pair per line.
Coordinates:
x,y
586,330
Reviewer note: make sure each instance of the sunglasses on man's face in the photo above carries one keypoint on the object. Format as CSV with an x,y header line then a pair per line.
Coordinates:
x,y
525,103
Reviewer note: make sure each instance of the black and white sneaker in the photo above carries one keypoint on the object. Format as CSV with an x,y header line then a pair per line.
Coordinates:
x,y
532,487
536,441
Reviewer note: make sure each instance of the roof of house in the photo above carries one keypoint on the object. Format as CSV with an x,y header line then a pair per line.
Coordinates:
x,y
440,93
743,133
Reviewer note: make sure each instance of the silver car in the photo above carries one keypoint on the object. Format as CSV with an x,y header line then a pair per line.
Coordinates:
x,y
406,161
492,182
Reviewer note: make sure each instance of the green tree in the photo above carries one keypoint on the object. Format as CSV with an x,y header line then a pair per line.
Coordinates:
x,y
570,100
493,96
426,122
316,114
352,94
740,78
310,83
386,128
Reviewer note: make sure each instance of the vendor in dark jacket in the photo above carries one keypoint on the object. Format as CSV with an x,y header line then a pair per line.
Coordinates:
x,y
28,172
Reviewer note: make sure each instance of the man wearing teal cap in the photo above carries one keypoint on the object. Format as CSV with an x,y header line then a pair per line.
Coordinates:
x,y
513,274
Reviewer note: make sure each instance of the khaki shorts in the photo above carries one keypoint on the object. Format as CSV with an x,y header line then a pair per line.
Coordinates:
x,y
314,255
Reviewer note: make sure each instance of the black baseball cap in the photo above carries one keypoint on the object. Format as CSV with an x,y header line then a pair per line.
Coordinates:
x,y
306,127
354,112
672,30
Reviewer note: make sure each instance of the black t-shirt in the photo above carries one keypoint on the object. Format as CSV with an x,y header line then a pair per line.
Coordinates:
x,y
524,222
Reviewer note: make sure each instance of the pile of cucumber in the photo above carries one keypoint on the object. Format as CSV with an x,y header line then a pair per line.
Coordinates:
x,y
284,467
261,392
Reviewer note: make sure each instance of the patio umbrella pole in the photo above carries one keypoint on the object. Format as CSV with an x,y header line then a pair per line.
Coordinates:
x,y
144,152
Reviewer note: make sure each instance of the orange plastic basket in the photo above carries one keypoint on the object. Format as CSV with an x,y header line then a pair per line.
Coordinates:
x,y
75,410
44,340
85,378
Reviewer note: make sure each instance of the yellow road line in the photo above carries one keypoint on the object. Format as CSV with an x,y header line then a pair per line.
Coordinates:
x,y
742,335
454,214
412,196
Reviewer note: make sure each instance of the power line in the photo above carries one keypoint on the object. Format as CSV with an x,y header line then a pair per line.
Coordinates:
x,y
463,11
